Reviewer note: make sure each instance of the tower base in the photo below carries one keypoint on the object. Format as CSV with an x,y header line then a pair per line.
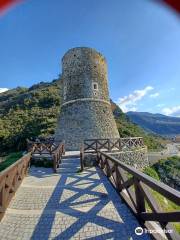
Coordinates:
x,y
82,120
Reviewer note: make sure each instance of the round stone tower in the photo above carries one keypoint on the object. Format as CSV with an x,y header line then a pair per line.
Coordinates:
x,y
86,110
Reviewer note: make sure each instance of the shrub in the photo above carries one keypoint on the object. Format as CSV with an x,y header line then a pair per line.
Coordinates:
x,y
151,172
42,163
10,159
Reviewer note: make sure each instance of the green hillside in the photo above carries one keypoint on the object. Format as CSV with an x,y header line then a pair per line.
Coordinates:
x,y
26,113
167,171
31,112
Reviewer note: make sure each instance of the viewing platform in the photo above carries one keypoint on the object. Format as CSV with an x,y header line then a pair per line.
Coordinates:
x,y
67,205
108,200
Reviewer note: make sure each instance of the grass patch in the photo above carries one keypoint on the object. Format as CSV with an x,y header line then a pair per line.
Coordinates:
x,y
10,159
151,172
167,206
170,166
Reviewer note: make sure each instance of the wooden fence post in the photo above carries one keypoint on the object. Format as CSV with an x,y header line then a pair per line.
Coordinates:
x,y
82,158
54,162
140,200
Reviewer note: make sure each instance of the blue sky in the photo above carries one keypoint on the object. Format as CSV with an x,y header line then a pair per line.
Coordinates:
x,y
140,40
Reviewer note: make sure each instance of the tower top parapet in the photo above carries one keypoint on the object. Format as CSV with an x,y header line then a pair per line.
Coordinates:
x,y
84,74
86,50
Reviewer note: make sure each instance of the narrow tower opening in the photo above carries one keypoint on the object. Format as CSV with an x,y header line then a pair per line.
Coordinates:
x,y
95,86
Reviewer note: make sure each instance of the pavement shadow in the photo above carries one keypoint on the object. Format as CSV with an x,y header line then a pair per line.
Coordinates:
x,y
79,202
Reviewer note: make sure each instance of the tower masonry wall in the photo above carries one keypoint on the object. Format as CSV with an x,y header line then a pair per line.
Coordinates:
x,y
86,120
82,69
86,111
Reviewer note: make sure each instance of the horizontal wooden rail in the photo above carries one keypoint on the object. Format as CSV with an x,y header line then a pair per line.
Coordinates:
x,y
10,179
136,189
161,216
41,148
113,144
47,149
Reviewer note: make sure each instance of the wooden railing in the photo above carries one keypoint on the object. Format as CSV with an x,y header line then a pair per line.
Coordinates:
x,y
136,189
114,144
57,156
128,149
10,179
47,149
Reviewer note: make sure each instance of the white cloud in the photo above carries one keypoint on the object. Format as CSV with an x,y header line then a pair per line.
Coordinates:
x,y
172,111
160,105
3,90
128,103
154,95
130,108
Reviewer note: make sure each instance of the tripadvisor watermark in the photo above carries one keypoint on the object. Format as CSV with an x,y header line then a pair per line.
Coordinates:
x,y
139,231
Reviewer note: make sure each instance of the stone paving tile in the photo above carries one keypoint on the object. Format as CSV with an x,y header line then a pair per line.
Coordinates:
x,y
67,205
36,177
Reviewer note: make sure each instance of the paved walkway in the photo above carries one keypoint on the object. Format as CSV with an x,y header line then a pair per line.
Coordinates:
x,y
67,205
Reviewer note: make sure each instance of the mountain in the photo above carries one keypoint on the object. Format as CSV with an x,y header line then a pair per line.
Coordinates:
x,y
127,128
32,112
156,123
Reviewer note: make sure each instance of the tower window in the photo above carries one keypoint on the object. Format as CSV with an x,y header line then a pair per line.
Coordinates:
x,y
95,86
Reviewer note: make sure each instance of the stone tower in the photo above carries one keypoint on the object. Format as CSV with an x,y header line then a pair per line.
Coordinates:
x,y
86,110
